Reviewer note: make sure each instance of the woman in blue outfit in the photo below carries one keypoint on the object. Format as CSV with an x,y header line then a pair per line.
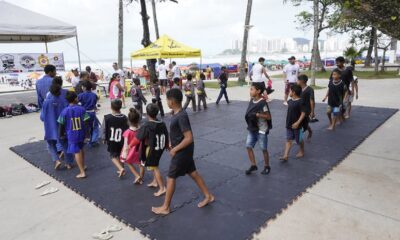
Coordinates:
x,y
52,107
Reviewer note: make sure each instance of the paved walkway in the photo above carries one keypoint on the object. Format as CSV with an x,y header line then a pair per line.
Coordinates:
x,y
359,199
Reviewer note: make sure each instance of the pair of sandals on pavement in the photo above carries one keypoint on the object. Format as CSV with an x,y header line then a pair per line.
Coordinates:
x,y
106,233
48,191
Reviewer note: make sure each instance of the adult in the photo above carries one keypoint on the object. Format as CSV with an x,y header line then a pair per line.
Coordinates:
x,y
208,71
223,83
348,79
257,74
290,73
162,75
92,75
146,74
177,73
44,83
52,107
75,79
121,74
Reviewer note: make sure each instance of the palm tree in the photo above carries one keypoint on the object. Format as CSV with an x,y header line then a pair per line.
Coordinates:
x,y
315,49
120,34
153,5
351,53
242,75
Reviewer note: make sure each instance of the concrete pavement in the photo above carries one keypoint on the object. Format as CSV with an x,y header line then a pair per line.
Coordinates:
x,y
356,200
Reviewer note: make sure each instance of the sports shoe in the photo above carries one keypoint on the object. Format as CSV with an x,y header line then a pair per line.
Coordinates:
x,y
251,169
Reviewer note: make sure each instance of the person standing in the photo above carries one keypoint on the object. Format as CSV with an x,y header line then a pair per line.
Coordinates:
x,y
43,84
257,73
208,71
223,83
121,82
177,73
75,79
290,73
92,75
162,75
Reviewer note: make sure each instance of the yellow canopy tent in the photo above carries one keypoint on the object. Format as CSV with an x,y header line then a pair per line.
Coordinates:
x,y
166,47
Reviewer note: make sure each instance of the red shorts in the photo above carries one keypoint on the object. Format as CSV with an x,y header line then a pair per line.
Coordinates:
x,y
287,87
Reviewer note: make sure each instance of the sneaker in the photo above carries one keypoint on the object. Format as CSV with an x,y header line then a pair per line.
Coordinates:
x,y
266,170
251,169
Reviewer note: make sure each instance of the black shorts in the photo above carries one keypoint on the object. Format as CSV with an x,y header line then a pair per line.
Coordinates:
x,y
306,121
163,82
182,163
115,154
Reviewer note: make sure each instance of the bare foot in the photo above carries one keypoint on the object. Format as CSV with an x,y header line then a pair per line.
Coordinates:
x,y
58,165
138,180
284,159
69,166
206,201
152,185
81,175
330,128
300,155
160,210
160,192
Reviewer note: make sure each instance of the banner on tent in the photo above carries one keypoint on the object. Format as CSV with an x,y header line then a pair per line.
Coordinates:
x,y
30,62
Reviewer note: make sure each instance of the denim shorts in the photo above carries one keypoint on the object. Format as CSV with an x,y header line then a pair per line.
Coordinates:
x,y
253,137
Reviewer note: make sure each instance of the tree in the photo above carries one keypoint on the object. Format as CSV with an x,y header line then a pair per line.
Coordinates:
x,y
151,63
351,53
242,75
120,34
325,15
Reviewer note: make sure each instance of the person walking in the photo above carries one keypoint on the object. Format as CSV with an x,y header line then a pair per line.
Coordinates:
x,y
290,73
43,84
121,82
223,83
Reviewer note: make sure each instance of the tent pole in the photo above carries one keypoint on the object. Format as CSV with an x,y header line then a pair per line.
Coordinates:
x,y
79,54
131,68
47,50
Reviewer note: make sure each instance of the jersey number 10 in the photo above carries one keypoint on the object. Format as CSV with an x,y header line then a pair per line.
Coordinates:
x,y
160,142
116,134
76,124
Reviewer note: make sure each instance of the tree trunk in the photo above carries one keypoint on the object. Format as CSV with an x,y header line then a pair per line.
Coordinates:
x,y
393,44
153,5
370,48
383,60
120,34
315,50
146,39
376,53
242,75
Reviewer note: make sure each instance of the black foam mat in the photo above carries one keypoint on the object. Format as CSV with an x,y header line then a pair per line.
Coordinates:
x,y
243,203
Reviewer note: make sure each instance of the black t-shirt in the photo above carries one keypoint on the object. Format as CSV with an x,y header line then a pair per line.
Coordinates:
x,y
155,139
336,93
179,124
295,108
306,96
346,76
114,127
223,80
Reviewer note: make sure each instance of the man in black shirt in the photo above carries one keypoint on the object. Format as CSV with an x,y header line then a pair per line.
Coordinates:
x,y
182,147
223,83
294,118
308,101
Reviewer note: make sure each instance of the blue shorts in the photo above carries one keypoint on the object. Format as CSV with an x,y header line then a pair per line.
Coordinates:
x,y
336,111
253,137
75,147
294,134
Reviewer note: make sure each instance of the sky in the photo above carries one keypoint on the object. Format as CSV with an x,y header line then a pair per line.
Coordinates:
x,y
207,24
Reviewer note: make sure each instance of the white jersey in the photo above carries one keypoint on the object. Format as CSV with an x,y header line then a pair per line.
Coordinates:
x,y
176,71
162,71
258,70
74,81
292,72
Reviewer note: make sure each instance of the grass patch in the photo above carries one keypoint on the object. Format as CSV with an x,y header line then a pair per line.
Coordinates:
x,y
216,84
359,74
316,87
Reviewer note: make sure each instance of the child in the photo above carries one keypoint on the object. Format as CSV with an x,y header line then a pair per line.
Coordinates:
x,y
223,83
294,118
113,126
156,92
84,76
154,137
201,92
308,100
337,91
114,88
88,100
189,93
52,107
130,150
257,115
176,83
137,96
72,124
182,147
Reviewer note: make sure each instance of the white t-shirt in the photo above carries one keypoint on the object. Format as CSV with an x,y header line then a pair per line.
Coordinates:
x,y
122,77
176,71
291,71
162,71
258,73
74,81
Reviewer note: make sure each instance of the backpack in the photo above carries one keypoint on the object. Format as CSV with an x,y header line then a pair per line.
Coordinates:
x,y
3,112
23,108
16,109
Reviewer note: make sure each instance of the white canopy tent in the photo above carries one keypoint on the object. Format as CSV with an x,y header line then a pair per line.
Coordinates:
x,y
19,25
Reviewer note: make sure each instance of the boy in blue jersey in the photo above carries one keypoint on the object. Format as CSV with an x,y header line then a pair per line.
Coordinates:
x,y
72,126
88,100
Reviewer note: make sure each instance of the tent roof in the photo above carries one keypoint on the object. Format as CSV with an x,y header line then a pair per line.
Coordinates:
x,y
166,47
21,25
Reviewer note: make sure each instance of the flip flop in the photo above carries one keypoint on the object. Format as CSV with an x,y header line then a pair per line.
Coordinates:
x,y
49,191
42,184
102,235
121,173
58,165
113,228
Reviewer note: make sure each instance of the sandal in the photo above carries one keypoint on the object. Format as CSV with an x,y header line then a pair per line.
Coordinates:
x,y
102,235
49,191
42,184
